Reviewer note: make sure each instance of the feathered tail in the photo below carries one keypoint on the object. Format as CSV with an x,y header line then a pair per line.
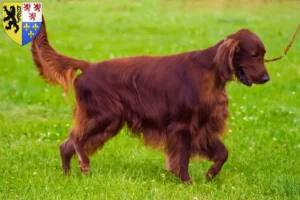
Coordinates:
x,y
55,68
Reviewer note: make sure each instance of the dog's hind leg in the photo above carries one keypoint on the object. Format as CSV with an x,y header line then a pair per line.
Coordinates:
x,y
95,139
218,154
67,150
84,161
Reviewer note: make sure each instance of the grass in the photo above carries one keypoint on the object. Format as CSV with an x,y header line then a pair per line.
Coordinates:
x,y
264,126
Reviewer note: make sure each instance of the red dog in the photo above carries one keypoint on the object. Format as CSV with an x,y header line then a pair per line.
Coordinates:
x,y
176,102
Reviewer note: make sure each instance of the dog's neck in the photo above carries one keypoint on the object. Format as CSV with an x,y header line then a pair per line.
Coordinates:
x,y
205,58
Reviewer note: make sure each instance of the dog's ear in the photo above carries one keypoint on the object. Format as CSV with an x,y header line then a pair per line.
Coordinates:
x,y
224,57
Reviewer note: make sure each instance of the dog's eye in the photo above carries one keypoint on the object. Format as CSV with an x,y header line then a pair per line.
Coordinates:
x,y
255,55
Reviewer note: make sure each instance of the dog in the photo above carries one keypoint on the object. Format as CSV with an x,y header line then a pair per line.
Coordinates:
x,y
176,103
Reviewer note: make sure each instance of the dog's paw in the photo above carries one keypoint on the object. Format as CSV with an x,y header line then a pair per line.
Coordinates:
x,y
209,177
84,168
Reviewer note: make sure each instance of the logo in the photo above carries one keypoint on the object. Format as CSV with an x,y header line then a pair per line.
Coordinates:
x,y
22,21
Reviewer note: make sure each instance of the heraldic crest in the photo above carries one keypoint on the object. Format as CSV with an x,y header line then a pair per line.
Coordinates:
x,y
22,21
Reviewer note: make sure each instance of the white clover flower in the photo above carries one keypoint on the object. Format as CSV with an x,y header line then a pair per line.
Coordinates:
x,y
277,74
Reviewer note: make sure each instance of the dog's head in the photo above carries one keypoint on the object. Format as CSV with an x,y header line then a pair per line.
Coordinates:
x,y
242,55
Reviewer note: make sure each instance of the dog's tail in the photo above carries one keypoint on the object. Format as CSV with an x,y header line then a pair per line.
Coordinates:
x,y
55,68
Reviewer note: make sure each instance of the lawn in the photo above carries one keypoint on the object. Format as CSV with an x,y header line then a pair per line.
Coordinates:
x,y
264,126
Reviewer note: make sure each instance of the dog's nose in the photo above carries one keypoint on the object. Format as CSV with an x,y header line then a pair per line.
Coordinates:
x,y
265,78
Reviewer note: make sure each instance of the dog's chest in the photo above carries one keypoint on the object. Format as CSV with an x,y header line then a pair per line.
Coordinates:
x,y
221,104
215,109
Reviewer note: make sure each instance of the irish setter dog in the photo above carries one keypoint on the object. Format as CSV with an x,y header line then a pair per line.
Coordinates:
x,y
177,103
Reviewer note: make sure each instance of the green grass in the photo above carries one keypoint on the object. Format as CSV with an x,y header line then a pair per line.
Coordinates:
x,y
264,126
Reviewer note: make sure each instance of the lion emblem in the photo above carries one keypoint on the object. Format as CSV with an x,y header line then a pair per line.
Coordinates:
x,y
12,17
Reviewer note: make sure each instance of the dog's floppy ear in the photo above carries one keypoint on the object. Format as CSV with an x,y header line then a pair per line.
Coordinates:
x,y
224,57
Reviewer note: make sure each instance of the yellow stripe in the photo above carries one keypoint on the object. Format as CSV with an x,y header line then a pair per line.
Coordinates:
x,y
16,37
